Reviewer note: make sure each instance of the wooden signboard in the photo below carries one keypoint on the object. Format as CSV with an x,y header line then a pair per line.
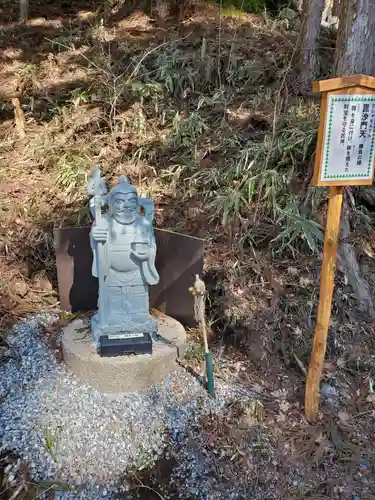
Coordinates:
x,y
345,156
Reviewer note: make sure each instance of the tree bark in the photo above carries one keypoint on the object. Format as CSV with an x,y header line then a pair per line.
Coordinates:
x,y
335,8
349,264
24,10
355,54
307,49
355,46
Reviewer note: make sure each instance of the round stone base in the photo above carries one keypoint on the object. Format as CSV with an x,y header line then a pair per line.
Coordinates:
x,y
123,373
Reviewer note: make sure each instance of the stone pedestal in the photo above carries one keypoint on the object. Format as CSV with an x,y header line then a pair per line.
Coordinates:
x,y
124,373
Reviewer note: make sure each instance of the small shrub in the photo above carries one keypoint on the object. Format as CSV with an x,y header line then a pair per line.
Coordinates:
x,y
71,169
299,229
148,90
195,352
50,443
186,131
176,71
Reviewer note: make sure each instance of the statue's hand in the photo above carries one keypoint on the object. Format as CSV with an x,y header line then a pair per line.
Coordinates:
x,y
99,234
140,256
141,252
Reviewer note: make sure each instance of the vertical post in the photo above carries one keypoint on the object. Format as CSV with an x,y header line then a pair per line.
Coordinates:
x,y
100,260
325,302
24,10
199,292
96,187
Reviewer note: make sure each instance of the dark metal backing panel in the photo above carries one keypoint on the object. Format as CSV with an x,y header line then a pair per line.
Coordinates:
x,y
178,259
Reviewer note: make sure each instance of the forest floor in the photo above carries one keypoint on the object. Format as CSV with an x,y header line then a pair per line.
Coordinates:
x,y
206,118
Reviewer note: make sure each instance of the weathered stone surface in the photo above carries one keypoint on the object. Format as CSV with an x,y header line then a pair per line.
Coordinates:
x,y
124,373
124,250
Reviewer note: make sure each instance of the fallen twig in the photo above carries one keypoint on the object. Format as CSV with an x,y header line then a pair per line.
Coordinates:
x,y
150,489
300,364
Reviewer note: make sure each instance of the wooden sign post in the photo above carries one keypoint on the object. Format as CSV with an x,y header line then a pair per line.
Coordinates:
x,y
345,156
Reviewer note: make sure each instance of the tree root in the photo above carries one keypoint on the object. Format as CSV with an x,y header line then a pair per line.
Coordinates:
x,y
349,264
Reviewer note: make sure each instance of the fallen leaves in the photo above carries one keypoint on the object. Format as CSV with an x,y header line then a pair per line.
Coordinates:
x,y
343,417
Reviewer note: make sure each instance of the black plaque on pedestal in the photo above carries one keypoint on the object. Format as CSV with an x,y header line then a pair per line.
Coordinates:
x,y
122,344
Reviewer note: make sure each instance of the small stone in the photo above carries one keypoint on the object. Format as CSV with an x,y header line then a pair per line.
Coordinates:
x,y
329,392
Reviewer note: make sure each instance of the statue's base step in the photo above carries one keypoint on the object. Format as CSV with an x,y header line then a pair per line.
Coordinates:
x,y
113,374
125,344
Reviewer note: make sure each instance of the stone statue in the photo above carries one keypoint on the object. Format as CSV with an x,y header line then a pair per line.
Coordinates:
x,y
124,249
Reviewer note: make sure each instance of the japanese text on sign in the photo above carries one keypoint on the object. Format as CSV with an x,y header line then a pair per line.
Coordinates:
x,y
349,141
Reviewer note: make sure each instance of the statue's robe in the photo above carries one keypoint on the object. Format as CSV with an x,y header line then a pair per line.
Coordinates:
x,y
126,278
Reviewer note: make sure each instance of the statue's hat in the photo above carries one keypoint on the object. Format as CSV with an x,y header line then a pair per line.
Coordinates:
x,y
123,187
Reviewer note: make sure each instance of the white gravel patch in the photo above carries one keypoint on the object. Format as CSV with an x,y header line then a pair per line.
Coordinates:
x,y
66,431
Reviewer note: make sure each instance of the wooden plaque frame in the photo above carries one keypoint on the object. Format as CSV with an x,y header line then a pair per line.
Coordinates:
x,y
356,84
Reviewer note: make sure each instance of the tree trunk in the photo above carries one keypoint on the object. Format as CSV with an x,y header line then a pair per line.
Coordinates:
x,y
24,10
307,50
355,46
335,8
349,264
355,54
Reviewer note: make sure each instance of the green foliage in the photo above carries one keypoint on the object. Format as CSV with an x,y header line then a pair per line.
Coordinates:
x,y
237,7
142,460
251,182
298,228
230,203
173,176
27,78
186,131
149,90
67,316
194,352
79,96
50,443
176,71
232,7
219,98
184,73
71,169
262,440
261,174
242,73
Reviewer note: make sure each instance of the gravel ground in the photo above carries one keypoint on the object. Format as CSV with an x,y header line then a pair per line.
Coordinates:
x,y
69,432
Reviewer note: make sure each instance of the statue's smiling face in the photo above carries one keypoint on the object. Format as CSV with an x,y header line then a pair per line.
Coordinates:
x,y
124,208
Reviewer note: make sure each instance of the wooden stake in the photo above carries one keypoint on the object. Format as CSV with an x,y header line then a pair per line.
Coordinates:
x,y
19,118
199,292
325,303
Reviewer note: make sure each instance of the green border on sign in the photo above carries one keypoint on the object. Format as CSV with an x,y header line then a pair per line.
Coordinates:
x,y
329,136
